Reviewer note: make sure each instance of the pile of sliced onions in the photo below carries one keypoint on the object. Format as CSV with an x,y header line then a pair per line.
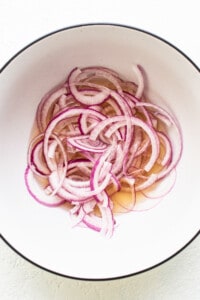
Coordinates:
x,y
97,136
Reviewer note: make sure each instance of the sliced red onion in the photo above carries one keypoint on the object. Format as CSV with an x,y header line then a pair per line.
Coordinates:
x,y
107,221
35,159
81,96
93,222
89,206
137,122
102,73
38,193
84,119
168,148
140,78
84,143
98,137
86,192
45,105
162,188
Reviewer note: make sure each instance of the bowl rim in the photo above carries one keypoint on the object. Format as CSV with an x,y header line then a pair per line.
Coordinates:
x,y
35,41
42,37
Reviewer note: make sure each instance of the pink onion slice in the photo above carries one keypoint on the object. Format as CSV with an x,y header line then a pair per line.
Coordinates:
x,y
84,143
46,103
37,192
140,80
82,96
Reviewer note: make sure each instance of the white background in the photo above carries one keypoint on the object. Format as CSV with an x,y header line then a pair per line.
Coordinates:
x,y
21,22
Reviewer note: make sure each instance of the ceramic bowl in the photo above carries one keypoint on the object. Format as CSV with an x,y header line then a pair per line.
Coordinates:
x,y
142,240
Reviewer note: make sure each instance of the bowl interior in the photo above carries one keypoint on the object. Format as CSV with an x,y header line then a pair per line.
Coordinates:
x,y
141,240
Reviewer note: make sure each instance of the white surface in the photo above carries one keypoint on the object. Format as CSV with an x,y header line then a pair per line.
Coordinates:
x,y
19,25
177,279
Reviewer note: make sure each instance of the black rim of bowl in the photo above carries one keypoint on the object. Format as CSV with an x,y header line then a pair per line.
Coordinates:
x,y
114,25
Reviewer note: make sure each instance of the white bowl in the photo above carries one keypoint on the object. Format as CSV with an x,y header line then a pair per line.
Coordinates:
x,y
142,240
